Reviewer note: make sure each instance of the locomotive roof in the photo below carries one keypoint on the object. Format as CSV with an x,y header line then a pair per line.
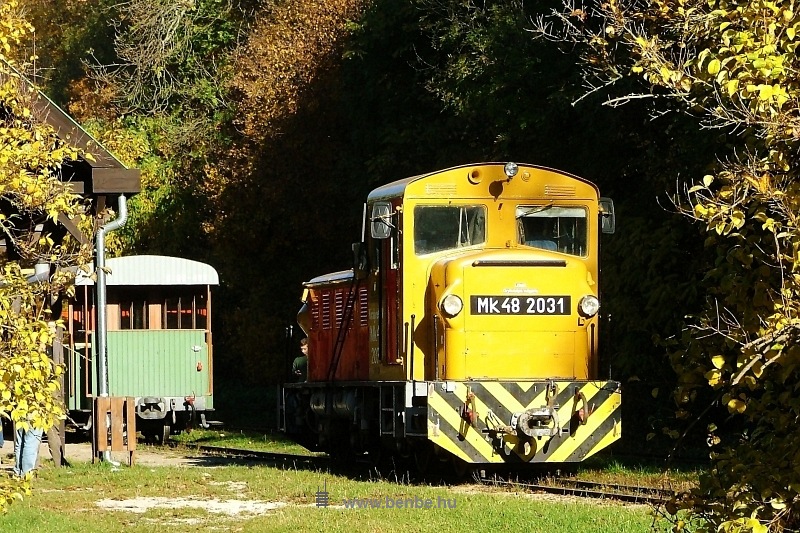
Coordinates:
x,y
397,188
155,270
343,276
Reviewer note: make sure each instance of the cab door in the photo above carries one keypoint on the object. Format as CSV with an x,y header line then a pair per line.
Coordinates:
x,y
385,306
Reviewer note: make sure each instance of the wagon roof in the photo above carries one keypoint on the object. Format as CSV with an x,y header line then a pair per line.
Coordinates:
x,y
155,270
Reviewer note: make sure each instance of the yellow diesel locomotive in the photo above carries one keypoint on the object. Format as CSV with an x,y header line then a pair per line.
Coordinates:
x,y
467,329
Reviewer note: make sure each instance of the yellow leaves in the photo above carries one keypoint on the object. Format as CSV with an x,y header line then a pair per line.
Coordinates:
x,y
736,406
758,369
754,525
744,75
700,210
28,377
762,184
737,219
714,377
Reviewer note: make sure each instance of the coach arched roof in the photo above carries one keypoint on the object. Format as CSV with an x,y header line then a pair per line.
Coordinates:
x,y
155,270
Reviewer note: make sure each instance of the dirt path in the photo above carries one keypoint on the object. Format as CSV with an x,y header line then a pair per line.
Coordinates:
x,y
83,453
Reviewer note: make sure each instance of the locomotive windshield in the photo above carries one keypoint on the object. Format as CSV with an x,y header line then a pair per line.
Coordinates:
x,y
444,227
549,227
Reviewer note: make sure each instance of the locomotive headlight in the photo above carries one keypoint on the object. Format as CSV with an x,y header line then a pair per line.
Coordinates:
x,y
511,169
589,306
452,305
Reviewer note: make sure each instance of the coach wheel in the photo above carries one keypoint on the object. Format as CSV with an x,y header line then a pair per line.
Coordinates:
x,y
166,430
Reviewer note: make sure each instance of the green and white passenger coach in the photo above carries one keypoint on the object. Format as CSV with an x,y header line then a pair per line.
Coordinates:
x,y
159,342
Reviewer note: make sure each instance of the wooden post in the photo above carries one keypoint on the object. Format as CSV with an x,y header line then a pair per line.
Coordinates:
x,y
112,418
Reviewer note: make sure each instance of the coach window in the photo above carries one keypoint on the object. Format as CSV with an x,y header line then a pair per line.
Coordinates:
x,y
201,312
181,312
555,228
132,314
446,227
172,313
187,311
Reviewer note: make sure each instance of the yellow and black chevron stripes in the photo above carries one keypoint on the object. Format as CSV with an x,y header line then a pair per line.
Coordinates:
x,y
466,419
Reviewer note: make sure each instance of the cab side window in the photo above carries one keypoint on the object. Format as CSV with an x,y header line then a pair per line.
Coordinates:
x,y
446,227
553,228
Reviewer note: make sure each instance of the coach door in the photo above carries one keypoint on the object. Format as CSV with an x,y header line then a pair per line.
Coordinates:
x,y
385,304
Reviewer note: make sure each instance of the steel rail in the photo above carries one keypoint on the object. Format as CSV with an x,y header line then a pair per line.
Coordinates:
x,y
593,489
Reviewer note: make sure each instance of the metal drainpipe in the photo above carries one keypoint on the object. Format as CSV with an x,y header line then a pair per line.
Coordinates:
x,y
102,326
41,272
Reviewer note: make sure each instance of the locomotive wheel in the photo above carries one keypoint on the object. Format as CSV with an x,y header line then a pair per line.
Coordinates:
x,y
424,457
463,469
430,460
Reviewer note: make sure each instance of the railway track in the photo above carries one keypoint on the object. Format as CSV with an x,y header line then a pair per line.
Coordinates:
x,y
558,486
591,489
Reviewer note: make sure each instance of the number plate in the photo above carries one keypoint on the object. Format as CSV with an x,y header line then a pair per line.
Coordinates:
x,y
520,305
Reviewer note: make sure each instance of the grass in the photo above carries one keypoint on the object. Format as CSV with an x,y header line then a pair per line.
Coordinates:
x,y
66,500
607,469
69,499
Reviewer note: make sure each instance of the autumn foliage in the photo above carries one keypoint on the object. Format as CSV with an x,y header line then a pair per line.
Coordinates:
x,y
32,198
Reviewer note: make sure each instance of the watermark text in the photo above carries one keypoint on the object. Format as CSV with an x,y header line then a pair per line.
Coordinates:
x,y
407,502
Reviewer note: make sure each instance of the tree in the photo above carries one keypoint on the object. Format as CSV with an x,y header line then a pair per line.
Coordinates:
x,y
732,66
32,198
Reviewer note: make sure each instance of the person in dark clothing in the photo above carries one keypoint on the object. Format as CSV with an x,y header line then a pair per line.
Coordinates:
x,y
300,364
